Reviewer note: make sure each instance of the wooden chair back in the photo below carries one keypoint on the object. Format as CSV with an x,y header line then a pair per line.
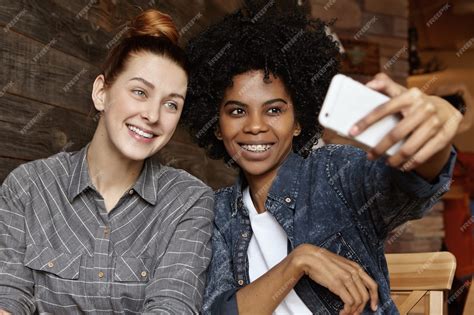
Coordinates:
x,y
420,281
469,305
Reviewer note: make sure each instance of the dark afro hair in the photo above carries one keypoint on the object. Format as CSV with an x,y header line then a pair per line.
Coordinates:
x,y
292,47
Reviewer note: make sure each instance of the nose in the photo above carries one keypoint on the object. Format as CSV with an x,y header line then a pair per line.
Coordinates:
x,y
255,124
151,113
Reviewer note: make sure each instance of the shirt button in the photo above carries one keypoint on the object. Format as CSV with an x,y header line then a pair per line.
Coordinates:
x,y
130,192
50,264
144,274
287,199
240,282
106,231
101,274
244,234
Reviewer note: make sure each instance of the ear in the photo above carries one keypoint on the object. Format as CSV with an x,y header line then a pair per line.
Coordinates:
x,y
217,133
297,131
98,93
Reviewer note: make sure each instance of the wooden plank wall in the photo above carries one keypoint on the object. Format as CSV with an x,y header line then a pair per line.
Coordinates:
x,y
50,53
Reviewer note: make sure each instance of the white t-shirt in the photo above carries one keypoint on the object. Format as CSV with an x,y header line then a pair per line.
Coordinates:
x,y
268,246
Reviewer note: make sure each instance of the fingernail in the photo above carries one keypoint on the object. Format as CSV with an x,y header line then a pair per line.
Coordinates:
x,y
374,308
354,131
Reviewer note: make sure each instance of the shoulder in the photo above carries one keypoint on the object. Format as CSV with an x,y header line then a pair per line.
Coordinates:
x,y
336,150
223,205
171,179
54,165
21,178
337,155
223,198
224,193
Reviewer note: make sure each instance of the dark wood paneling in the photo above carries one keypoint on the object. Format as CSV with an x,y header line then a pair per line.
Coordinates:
x,y
111,16
50,51
7,165
44,74
31,130
190,17
191,158
44,20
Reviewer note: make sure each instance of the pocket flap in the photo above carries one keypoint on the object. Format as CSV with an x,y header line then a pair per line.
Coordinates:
x,y
132,269
50,260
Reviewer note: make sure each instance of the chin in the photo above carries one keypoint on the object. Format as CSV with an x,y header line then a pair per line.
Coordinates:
x,y
135,154
255,168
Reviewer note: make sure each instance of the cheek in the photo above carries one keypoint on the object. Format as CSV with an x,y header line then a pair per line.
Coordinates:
x,y
117,108
230,127
169,121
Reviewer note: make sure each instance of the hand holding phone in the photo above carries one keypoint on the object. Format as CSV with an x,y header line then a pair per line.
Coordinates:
x,y
347,101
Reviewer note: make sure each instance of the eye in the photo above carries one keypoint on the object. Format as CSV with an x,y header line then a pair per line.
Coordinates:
x,y
138,92
274,111
171,105
237,112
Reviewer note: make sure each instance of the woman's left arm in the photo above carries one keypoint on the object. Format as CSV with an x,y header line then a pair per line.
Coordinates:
x,y
177,285
428,126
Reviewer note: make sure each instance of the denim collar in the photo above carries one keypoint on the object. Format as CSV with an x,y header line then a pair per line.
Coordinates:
x,y
80,179
284,188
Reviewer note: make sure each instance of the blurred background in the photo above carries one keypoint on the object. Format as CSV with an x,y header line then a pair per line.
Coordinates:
x,y
51,51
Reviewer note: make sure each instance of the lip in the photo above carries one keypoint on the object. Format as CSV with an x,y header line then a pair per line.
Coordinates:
x,y
256,142
143,129
139,138
255,156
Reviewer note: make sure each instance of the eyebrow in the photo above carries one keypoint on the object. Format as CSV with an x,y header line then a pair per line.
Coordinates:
x,y
275,100
176,95
151,86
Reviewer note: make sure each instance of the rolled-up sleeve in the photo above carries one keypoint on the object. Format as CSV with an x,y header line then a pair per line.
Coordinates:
x,y
380,195
178,282
16,280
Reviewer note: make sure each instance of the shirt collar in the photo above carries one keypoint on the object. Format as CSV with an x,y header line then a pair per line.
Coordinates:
x,y
80,180
145,185
284,188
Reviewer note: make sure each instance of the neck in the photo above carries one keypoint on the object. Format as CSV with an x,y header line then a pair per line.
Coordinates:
x,y
260,184
109,170
259,187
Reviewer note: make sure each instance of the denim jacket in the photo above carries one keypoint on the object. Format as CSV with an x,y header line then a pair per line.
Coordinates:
x,y
335,199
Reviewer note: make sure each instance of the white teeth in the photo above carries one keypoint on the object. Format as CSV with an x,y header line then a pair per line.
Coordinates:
x,y
256,147
140,132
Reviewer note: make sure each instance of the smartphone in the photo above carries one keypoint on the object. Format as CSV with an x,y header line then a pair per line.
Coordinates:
x,y
347,101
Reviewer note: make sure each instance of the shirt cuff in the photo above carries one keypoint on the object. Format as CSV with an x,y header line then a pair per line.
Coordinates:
x,y
419,187
12,307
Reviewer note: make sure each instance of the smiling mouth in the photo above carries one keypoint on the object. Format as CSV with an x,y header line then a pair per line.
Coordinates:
x,y
140,132
256,148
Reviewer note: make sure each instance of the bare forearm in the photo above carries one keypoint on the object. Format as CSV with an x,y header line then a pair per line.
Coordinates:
x,y
263,295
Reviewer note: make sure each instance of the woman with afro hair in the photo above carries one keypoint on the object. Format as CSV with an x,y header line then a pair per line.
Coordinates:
x,y
302,230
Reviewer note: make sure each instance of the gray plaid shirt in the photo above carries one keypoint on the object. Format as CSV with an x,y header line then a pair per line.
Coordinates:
x,y
62,253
